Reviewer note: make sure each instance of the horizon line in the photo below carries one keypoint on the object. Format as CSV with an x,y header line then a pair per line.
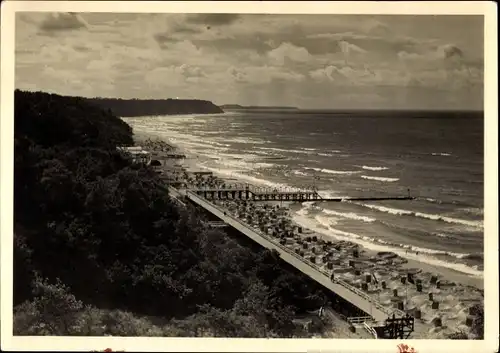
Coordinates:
x,y
278,106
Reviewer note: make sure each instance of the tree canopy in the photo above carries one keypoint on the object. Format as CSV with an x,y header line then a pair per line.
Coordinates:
x,y
92,228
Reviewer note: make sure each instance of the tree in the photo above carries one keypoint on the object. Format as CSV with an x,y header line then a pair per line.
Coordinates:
x,y
53,310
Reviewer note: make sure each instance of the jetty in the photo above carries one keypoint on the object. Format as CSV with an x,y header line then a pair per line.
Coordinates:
x,y
356,306
239,192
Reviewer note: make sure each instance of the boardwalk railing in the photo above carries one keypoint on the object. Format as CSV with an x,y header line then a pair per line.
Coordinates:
x,y
370,329
359,319
344,284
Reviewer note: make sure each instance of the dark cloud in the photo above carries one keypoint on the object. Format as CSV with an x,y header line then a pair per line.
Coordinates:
x,y
163,39
213,19
63,21
451,51
186,29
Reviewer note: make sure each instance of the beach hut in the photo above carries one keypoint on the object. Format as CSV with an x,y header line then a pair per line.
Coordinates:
x,y
469,320
417,314
437,321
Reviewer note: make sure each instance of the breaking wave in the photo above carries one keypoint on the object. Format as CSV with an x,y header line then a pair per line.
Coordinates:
x,y
350,215
330,171
374,168
434,217
389,180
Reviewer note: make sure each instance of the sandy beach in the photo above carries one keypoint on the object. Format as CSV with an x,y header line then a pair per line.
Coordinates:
x,y
439,298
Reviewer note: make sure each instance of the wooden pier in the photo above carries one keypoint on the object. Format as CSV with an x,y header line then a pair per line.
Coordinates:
x,y
368,305
237,192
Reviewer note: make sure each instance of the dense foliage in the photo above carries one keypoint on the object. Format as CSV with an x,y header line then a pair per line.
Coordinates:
x,y
142,107
93,228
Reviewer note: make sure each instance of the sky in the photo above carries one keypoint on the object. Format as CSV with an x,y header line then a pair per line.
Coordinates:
x,y
310,61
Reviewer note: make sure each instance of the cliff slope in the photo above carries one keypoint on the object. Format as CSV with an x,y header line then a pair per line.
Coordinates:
x,y
141,107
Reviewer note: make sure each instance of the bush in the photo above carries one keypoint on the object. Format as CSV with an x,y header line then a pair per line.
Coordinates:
x,y
53,310
99,228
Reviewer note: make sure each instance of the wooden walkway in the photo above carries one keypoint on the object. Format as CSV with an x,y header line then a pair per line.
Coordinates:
x,y
349,293
255,194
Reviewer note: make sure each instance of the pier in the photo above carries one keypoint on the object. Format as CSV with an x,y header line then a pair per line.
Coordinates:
x,y
374,315
238,192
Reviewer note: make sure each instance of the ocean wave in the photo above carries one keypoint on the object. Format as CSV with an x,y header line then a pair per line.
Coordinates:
x,y
374,168
349,215
330,153
187,139
323,225
443,154
434,217
298,172
330,171
245,140
183,144
431,200
242,165
475,257
442,235
389,180
326,194
476,211
309,149
239,175
285,150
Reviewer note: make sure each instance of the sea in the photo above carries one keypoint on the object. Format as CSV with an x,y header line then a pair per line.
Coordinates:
x,y
437,157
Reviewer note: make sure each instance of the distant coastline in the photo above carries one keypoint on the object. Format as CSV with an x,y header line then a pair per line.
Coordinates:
x,y
144,107
255,107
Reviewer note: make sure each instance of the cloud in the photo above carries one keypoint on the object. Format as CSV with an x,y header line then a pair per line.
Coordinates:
x,y
174,76
216,19
450,51
62,21
348,48
329,73
276,58
263,75
434,53
374,26
288,51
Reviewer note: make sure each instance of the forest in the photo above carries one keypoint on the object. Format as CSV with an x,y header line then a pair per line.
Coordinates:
x,y
145,107
101,249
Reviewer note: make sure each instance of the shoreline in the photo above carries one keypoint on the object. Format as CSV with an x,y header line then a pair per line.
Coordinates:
x,y
457,287
189,163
